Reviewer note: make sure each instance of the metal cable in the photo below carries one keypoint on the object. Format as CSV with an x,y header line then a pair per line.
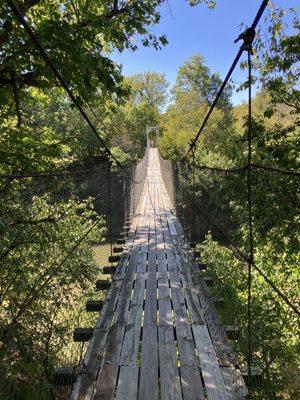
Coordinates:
x,y
246,36
250,218
244,168
59,76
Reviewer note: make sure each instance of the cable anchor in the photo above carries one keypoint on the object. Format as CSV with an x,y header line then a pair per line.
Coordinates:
x,y
247,36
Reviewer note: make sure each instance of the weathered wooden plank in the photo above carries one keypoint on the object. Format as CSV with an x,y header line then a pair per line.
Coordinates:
x,y
150,317
148,381
172,228
92,361
142,263
107,378
152,258
127,383
84,385
186,345
144,248
131,342
164,303
212,376
179,306
139,289
169,375
124,297
192,300
161,261
191,383
171,259
234,383
217,331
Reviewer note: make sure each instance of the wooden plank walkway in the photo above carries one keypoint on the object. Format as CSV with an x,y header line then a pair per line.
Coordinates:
x,y
152,340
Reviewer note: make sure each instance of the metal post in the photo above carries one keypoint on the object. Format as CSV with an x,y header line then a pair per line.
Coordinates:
x,y
248,48
109,208
193,238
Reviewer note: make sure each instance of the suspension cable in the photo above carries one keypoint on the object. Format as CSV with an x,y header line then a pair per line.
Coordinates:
x,y
244,168
249,33
250,217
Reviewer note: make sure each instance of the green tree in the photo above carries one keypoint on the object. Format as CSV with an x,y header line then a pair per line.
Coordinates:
x,y
148,94
149,87
193,93
195,75
80,32
278,59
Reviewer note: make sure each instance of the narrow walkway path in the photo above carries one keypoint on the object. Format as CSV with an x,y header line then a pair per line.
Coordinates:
x,y
151,340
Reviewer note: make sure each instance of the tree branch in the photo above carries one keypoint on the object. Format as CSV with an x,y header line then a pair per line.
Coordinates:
x,y
26,79
288,103
116,5
8,26
17,100
33,222
112,14
5,32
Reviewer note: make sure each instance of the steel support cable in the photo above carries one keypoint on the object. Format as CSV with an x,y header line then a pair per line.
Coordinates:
x,y
244,168
244,36
212,107
275,169
99,179
49,174
110,211
29,30
55,71
51,215
63,173
34,292
250,217
194,188
208,218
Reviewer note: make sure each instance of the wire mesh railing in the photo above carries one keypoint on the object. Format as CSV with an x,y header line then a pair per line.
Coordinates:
x,y
59,246
213,207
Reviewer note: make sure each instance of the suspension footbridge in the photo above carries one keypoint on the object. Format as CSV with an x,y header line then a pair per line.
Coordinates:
x,y
158,335
202,301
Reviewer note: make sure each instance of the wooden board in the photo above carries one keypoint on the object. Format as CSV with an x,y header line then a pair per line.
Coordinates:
x,y
107,378
169,372
191,383
148,382
212,376
127,383
165,311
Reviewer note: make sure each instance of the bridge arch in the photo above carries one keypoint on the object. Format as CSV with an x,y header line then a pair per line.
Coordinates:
x,y
152,129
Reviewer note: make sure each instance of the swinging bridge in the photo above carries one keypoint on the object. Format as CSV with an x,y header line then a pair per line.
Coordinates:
x,y
158,335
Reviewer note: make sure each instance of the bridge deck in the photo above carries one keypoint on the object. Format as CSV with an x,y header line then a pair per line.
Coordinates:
x,y
153,339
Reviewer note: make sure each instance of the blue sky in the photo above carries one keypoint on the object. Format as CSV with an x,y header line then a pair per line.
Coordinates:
x,y
193,30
